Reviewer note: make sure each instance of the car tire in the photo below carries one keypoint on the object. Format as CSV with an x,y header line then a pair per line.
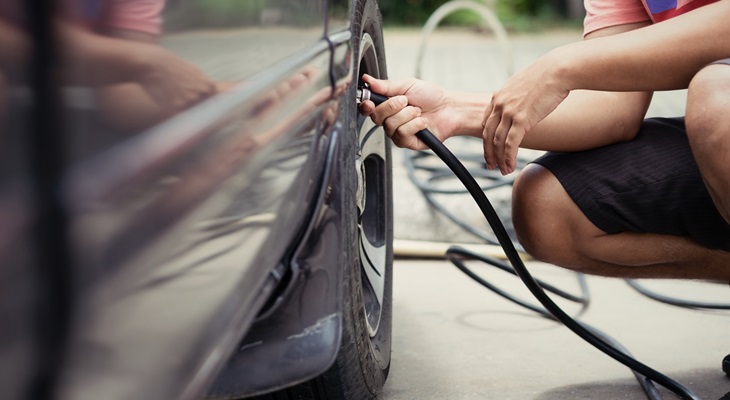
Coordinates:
x,y
363,360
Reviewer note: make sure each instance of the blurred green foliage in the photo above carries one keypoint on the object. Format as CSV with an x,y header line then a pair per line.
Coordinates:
x,y
515,14
182,14
190,14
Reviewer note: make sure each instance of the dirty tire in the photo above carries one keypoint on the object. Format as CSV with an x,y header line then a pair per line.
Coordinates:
x,y
363,360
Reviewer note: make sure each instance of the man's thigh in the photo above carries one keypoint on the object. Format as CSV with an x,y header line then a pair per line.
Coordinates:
x,y
650,184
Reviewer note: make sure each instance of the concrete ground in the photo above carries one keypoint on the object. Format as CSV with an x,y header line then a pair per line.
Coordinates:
x,y
455,340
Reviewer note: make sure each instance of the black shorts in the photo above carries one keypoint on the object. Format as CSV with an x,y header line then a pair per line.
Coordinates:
x,y
650,184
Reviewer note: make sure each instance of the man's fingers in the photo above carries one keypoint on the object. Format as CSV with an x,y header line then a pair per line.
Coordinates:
x,y
388,108
388,88
490,126
366,108
405,135
402,117
511,147
510,159
498,142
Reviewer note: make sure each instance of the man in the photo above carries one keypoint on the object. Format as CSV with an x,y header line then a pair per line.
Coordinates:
x,y
617,196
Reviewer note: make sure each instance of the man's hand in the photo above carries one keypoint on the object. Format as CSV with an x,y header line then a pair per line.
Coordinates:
x,y
414,105
526,99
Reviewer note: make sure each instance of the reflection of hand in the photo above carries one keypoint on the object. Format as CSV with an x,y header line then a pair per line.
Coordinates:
x,y
224,86
297,84
289,87
173,83
414,105
526,99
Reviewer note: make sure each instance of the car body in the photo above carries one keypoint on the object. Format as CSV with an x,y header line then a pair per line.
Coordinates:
x,y
231,248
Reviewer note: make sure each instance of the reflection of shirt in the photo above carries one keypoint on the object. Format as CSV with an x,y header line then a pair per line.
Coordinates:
x,y
135,15
604,13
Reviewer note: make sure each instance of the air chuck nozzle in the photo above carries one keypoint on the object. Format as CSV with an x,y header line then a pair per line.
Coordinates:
x,y
363,93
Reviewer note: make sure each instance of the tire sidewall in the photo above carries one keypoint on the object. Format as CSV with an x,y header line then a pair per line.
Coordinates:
x,y
372,354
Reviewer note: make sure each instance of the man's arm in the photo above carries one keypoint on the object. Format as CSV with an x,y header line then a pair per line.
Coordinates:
x,y
586,119
663,56
657,57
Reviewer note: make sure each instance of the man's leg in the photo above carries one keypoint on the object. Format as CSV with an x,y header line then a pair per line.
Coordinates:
x,y
553,229
708,130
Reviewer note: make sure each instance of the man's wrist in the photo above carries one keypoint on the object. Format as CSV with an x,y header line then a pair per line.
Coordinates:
x,y
469,112
563,66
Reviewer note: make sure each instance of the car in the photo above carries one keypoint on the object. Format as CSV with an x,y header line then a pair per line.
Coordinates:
x,y
191,205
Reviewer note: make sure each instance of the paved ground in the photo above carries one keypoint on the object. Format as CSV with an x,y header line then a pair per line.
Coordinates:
x,y
455,340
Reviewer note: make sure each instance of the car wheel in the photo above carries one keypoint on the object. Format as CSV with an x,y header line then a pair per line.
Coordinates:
x,y
363,360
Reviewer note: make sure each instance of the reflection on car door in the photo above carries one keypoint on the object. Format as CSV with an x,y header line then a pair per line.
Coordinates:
x,y
184,193
21,288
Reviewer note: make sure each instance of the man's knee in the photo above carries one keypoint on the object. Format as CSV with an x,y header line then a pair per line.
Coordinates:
x,y
708,130
542,215
708,101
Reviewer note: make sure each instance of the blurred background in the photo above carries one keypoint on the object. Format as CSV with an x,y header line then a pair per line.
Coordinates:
x,y
516,15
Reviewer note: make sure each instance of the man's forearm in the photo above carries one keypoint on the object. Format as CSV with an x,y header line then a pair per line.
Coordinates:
x,y
586,119
662,56
590,119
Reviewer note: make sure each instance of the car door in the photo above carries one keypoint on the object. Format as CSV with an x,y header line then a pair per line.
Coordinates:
x,y
179,211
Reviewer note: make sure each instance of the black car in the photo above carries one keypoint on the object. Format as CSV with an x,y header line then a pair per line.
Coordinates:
x,y
191,205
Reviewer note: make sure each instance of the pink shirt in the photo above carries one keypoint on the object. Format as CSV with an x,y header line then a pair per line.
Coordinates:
x,y
604,13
